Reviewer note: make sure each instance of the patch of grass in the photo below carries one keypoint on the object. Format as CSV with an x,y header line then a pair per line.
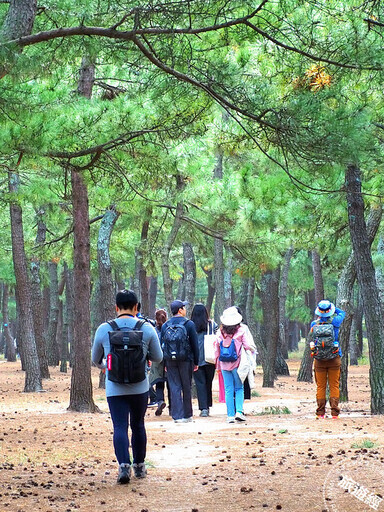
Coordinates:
x,y
274,409
367,443
254,393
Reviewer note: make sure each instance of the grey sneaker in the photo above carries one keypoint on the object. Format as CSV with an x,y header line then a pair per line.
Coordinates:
x,y
204,413
160,407
124,474
139,470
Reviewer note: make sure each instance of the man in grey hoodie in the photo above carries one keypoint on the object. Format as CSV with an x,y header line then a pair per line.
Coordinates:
x,y
127,402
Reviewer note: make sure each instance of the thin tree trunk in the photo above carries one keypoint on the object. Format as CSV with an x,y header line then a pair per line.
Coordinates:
x,y
81,398
317,277
282,307
10,345
106,288
152,296
345,298
23,291
69,311
142,273
368,286
51,332
167,281
269,297
37,300
305,370
211,289
189,276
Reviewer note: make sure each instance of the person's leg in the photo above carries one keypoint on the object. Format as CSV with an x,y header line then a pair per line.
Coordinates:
x,y
201,387
334,385
239,391
209,376
186,370
174,382
137,409
247,389
159,391
321,383
229,386
119,409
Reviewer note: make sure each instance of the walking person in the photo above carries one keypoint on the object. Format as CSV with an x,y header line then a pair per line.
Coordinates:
x,y
126,343
231,337
205,373
181,356
326,350
157,375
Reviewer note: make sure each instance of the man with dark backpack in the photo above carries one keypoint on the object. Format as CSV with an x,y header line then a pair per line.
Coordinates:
x,y
325,348
179,343
126,344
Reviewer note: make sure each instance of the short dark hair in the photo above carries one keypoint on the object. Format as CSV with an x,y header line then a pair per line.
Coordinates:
x,y
126,299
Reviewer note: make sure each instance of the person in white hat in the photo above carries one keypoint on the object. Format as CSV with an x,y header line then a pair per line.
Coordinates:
x,y
231,337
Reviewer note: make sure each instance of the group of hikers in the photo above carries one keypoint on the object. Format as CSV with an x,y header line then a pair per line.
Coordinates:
x,y
139,355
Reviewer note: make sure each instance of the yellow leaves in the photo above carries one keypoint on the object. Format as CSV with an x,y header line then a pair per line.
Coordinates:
x,y
314,79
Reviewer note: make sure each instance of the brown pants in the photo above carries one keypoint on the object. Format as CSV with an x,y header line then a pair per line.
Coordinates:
x,y
328,371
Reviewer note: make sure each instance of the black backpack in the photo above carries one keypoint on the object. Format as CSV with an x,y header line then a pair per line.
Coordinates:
x,y
324,338
126,361
175,342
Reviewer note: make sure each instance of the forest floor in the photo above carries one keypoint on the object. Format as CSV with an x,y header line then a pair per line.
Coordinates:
x,y
54,460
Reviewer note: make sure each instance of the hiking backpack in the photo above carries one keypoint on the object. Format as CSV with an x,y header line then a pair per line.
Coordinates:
x,y
228,354
175,342
126,361
325,341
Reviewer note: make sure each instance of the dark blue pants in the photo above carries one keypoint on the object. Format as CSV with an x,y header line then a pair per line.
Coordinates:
x,y
179,375
129,409
203,380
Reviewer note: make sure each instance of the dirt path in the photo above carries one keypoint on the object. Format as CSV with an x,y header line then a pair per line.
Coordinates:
x,y
53,460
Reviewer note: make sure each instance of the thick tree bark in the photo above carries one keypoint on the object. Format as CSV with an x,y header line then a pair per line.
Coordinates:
x,y
23,292
269,296
368,286
106,289
51,332
18,22
189,276
167,281
345,298
10,346
81,399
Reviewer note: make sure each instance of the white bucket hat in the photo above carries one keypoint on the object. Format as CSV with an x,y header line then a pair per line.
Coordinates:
x,y
231,316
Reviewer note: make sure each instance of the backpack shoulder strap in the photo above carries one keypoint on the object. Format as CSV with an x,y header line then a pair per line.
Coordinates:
x,y
114,325
139,325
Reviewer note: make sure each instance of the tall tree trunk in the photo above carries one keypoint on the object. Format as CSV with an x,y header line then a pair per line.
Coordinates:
x,y
283,338
37,299
345,298
368,286
269,296
18,22
189,276
317,277
23,291
142,273
10,345
69,311
379,269
218,250
305,370
106,288
211,289
51,332
152,294
167,281
81,398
